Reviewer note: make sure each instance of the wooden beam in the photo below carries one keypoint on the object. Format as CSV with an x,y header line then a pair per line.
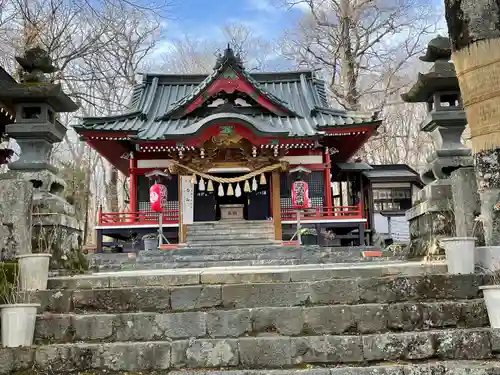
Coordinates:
x,y
182,227
133,185
276,205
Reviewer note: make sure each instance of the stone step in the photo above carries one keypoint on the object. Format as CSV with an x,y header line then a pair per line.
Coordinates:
x,y
432,367
137,266
302,251
285,321
256,352
226,241
230,231
237,275
129,266
232,223
388,289
216,236
490,367
184,255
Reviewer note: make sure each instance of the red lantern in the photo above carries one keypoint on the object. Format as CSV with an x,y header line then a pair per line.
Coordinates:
x,y
158,197
300,194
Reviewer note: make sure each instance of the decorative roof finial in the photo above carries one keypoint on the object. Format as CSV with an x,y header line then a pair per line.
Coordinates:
x,y
36,63
438,48
230,57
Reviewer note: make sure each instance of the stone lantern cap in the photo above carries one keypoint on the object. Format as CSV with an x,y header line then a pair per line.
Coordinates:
x,y
440,78
36,59
51,94
35,87
438,48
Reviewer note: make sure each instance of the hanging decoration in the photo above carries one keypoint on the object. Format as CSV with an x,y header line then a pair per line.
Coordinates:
x,y
300,194
246,187
254,184
200,177
210,186
262,179
282,166
237,191
157,197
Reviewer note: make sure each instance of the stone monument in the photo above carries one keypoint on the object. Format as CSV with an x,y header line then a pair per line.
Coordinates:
x,y
37,102
433,213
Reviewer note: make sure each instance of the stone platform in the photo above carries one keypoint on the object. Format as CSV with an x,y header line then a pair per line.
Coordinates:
x,y
384,319
243,255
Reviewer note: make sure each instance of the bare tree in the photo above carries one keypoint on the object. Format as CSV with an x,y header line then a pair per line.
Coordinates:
x,y
366,51
189,55
362,46
99,47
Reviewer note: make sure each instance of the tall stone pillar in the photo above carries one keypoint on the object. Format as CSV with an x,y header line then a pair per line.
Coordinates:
x,y
473,27
36,129
432,216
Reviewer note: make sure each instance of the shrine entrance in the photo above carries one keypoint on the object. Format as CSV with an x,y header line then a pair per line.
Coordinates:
x,y
228,201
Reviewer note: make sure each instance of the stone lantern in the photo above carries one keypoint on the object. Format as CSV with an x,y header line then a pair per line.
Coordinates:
x,y
433,216
446,119
37,103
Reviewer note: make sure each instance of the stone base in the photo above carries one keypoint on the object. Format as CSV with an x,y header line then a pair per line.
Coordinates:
x,y
443,162
430,219
58,220
15,217
466,203
45,202
44,179
433,194
231,211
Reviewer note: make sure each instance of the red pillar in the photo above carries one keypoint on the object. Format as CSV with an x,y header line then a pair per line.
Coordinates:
x,y
132,187
326,181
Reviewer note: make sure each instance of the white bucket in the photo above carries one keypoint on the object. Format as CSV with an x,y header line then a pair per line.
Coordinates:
x,y
18,324
492,300
33,271
459,254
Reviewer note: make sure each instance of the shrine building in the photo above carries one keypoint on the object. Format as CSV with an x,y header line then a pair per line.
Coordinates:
x,y
231,144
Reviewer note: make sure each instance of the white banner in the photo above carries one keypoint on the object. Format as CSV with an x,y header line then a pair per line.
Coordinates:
x,y
187,195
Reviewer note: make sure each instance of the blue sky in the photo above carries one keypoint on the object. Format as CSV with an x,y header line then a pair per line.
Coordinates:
x,y
203,18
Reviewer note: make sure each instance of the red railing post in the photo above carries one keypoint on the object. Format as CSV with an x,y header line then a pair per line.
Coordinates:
x,y
328,201
99,215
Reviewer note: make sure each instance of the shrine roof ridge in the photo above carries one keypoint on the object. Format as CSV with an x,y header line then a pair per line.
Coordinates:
x,y
158,94
175,78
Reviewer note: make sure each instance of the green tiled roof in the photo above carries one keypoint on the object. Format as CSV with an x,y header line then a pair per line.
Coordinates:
x,y
159,94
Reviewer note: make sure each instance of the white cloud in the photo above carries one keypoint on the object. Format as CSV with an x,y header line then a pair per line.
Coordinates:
x,y
302,6
263,6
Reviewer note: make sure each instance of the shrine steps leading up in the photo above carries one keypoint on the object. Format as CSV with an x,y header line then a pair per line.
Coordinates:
x,y
231,233
226,256
281,322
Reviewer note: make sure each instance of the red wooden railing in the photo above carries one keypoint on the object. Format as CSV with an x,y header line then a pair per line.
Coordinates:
x,y
172,216
326,213
137,218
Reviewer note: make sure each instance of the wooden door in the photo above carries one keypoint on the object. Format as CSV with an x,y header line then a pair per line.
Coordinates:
x,y
204,206
258,207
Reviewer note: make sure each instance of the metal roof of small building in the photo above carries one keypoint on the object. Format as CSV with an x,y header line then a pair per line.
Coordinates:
x,y
392,172
158,94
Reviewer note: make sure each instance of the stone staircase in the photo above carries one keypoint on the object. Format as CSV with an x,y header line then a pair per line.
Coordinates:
x,y
231,233
291,320
229,256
